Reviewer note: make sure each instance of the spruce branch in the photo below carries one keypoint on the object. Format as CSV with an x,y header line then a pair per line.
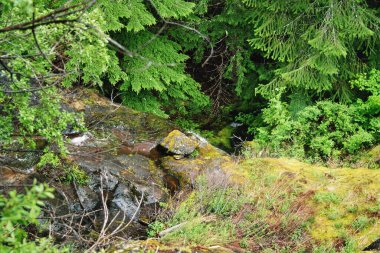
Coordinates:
x,y
203,36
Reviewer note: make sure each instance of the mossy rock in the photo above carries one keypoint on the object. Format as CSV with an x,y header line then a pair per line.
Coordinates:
x,y
178,143
208,160
125,124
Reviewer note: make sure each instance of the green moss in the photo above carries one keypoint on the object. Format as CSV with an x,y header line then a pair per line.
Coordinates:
x,y
198,232
223,138
340,196
361,223
304,204
74,174
176,138
195,153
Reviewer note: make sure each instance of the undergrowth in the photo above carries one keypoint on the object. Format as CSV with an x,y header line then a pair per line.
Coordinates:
x,y
18,214
265,214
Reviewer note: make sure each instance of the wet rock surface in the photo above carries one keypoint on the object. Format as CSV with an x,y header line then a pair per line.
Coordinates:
x,y
11,179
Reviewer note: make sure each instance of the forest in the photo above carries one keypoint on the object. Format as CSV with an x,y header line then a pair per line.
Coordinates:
x,y
257,89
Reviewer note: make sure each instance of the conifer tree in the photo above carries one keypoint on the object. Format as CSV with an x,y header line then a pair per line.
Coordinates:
x,y
47,45
319,45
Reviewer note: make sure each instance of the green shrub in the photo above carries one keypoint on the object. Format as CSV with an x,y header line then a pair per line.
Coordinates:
x,y
155,228
325,130
17,211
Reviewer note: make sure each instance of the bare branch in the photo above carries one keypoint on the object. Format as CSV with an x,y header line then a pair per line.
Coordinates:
x,y
50,18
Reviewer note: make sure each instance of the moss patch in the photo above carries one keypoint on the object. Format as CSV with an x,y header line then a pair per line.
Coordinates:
x,y
345,201
223,138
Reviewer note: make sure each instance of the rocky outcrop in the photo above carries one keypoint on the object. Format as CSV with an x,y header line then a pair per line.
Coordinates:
x,y
132,161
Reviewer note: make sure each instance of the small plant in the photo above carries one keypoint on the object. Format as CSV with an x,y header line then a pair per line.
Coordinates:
x,y
194,154
327,197
163,204
374,209
323,249
244,243
353,209
333,214
361,223
155,228
74,174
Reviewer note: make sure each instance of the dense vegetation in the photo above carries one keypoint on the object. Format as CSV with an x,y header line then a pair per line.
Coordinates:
x,y
283,77
303,77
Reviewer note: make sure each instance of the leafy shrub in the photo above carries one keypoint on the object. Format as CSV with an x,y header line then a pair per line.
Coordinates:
x,y
155,228
323,131
17,211
326,130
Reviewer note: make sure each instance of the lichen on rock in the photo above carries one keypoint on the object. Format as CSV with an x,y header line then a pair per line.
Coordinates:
x,y
178,143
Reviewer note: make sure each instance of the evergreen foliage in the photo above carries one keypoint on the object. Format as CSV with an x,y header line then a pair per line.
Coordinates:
x,y
47,46
302,62
318,45
303,76
325,130
157,55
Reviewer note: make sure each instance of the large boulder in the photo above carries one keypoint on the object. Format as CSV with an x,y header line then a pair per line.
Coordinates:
x,y
208,159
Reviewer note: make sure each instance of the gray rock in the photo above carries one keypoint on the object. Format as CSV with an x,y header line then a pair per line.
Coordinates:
x,y
178,143
88,198
88,166
22,162
187,170
75,207
138,165
373,246
124,200
152,193
109,182
81,140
